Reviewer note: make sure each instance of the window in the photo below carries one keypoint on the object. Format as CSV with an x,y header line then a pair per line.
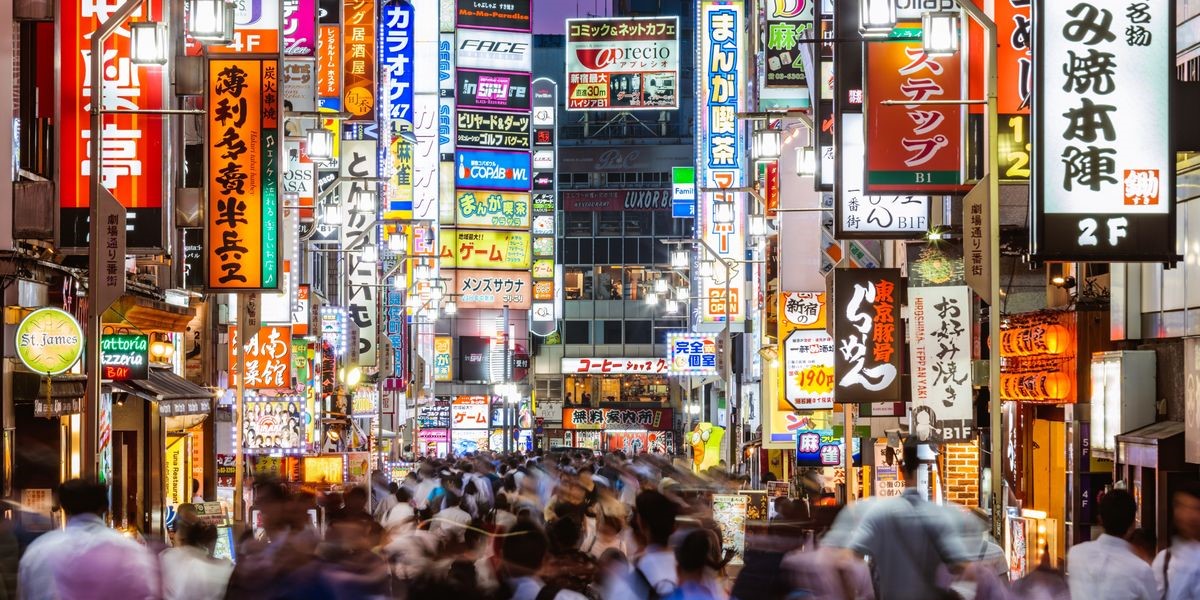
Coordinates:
x,y
579,224
610,224
638,332
636,283
609,285
569,251
577,283
664,327
609,332
577,332
637,223
600,254
549,388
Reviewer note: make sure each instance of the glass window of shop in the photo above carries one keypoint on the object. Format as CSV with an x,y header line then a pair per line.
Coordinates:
x,y
592,389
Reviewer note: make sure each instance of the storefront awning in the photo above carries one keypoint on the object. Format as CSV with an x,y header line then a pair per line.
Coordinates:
x,y
56,396
174,395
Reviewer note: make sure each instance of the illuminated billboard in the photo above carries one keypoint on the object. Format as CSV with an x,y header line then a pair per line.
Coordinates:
x,y
619,64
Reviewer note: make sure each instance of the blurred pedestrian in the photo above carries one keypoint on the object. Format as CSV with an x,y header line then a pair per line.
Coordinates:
x,y
694,568
86,560
1107,568
522,554
908,539
654,568
189,570
1177,569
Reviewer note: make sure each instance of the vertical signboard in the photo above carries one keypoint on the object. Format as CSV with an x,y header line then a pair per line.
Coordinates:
x,y
1103,179
866,322
683,192
1014,27
1191,406
358,161
426,115
300,27
543,210
806,376
913,148
397,67
242,217
132,166
720,159
443,358
871,217
358,51
446,109
622,64
789,23
939,337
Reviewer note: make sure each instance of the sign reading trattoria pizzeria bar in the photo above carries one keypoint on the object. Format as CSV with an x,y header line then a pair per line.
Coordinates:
x,y
617,418
615,366
1104,173
866,334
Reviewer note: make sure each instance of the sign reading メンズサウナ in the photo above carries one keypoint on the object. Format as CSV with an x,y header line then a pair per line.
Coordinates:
x,y
1104,175
243,202
866,334
619,64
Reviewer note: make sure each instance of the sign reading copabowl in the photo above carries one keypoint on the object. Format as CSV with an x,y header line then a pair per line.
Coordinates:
x,y
1103,179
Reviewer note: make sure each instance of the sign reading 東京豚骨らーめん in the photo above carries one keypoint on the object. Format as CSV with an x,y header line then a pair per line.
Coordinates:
x,y
1104,171
866,333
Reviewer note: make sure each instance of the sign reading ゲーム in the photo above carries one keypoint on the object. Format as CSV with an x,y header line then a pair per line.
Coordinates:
x,y
124,357
49,341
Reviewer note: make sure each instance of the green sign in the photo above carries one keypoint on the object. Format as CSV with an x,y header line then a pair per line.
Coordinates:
x,y
124,357
49,341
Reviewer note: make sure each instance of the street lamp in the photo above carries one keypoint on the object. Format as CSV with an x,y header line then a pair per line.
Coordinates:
x,y
397,242
364,200
369,253
681,294
680,259
706,268
450,307
331,215
758,226
661,286
319,144
149,41
652,299
767,143
876,18
722,213
211,21
939,36
806,161
672,307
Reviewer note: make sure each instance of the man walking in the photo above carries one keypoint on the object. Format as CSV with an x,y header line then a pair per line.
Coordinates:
x,y
1107,568
1177,569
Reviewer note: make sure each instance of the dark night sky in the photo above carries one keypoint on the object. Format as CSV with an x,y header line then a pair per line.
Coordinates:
x,y
548,15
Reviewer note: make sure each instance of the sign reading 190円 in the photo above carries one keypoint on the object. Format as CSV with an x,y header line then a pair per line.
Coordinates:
x,y
1103,180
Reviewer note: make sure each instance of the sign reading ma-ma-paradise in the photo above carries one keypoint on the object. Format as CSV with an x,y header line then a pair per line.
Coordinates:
x,y
492,170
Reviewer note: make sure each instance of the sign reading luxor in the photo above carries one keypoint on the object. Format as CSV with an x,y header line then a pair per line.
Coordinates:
x,y
622,64
124,357
616,200
1103,180
866,309
493,89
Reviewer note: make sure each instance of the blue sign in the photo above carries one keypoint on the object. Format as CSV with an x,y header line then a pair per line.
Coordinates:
x,y
491,170
396,60
820,448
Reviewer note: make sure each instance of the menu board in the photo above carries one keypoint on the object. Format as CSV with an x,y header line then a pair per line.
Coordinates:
x,y
729,511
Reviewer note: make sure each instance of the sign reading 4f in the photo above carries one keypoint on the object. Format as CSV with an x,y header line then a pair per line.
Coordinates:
x,y
1104,167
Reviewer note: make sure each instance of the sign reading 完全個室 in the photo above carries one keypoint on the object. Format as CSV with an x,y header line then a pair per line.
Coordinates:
x,y
1103,183
692,353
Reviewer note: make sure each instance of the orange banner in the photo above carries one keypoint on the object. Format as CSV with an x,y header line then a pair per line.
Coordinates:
x,y
1014,25
268,358
913,149
329,60
242,215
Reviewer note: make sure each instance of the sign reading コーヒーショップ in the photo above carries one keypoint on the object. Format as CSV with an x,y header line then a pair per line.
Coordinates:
x,y
49,341
1103,173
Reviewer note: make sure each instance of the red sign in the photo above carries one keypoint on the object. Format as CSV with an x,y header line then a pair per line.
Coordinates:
x,y
1014,27
913,148
616,200
131,165
617,418
268,358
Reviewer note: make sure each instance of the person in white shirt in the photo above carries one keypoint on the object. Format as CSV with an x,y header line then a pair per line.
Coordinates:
x,y
1107,568
401,517
189,572
1177,569
86,559
521,556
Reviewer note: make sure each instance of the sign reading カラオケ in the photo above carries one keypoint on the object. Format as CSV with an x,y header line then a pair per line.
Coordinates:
x,y
1104,174
866,333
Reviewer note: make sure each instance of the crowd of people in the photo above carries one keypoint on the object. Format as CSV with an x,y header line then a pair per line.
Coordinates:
x,y
576,526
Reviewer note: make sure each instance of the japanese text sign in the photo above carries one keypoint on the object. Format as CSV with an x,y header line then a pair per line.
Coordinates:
x,y
1014,26
617,418
491,170
485,249
434,415
721,154
469,412
488,129
939,337
443,358
124,357
789,23
492,210
874,217
396,56
329,61
1103,176
692,354
132,167
1038,354
268,358
866,332
615,366
493,289
358,55
243,205
359,159
913,148
806,372
622,64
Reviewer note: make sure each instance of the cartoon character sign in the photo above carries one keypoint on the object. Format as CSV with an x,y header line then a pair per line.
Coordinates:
x,y
705,441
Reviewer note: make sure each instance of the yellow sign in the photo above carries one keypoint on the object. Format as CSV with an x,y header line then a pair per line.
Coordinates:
x,y
484,249
49,341
177,471
324,469
492,210
442,355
